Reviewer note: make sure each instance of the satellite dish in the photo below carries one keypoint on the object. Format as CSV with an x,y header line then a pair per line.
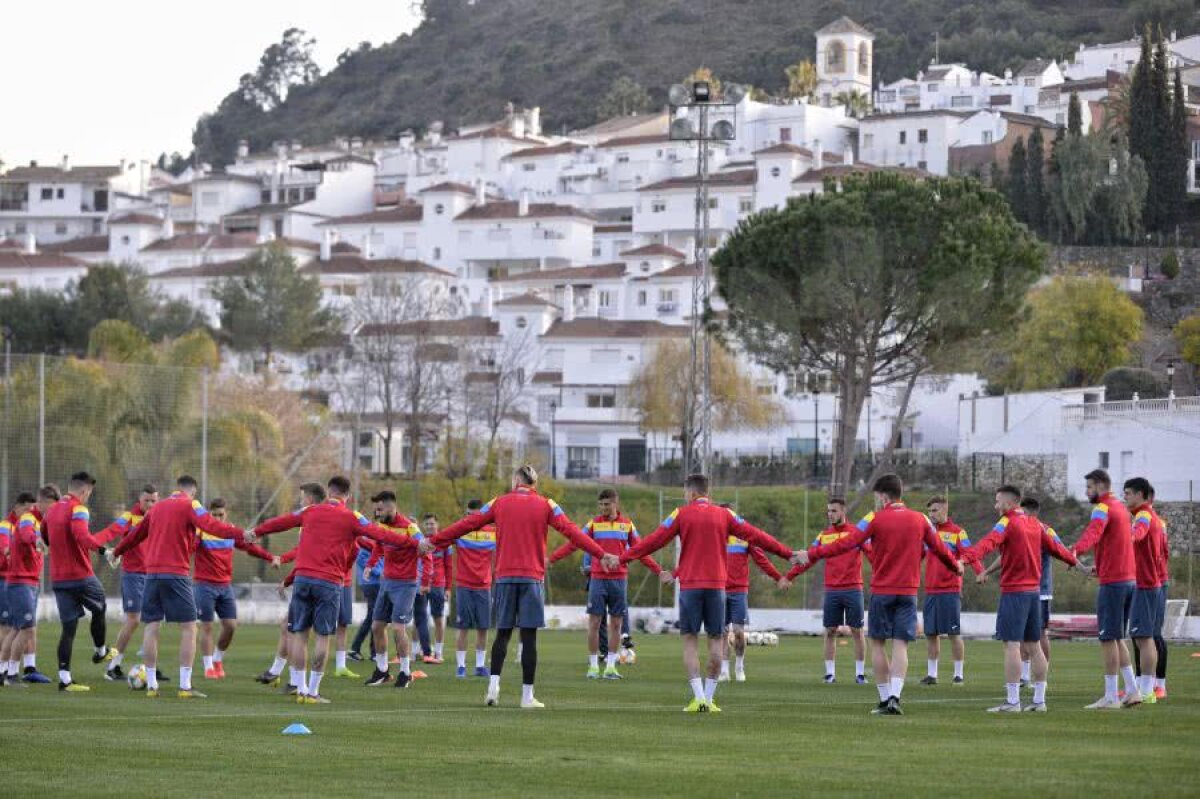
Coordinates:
x,y
682,128
723,130
679,95
734,92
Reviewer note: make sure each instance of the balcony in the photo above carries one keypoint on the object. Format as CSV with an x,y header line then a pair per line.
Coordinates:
x,y
667,308
1130,409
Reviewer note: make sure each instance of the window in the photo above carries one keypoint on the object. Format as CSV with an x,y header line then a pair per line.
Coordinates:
x,y
522,323
1103,460
437,253
987,137
622,158
605,356
529,167
923,165
596,251
310,193
125,240
601,401
785,134
868,140
776,171
904,137
1029,109
641,297
19,228
864,60
658,206
60,228
439,209
922,136
765,389
961,101
264,196
835,55
887,96
47,194
1031,81
604,299
60,193
712,203
745,205
666,295
932,87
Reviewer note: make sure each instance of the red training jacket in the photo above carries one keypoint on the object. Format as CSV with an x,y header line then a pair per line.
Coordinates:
x,y
473,559
443,567
1110,532
214,558
614,536
1021,540
737,564
521,517
134,561
704,530
939,579
169,531
71,544
1147,547
24,557
843,572
398,564
1164,555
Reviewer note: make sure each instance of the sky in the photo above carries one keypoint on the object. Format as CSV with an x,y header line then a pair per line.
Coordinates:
x,y
128,78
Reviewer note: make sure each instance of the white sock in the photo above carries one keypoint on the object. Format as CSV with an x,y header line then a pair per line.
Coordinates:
x,y
1026,669
14,668
610,660
526,693
520,647
1039,692
1161,683
185,678
480,658
932,667
218,656
381,661
296,679
830,665
740,663
885,691
494,683
860,668
208,662
437,650
64,677
1014,692
958,669
897,686
151,678
277,666
697,689
30,661
725,667
710,689
594,661
314,683
1110,687
460,658
102,650
339,659
1130,680
116,661
404,665
1147,684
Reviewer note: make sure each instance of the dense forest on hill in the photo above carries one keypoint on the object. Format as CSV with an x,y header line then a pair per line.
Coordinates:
x,y
469,57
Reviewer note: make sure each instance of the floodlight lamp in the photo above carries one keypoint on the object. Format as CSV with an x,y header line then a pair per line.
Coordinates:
x,y
679,95
682,128
702,91
734,92
723,130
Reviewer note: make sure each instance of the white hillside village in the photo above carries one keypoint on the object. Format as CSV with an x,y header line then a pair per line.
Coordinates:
x,y
538,273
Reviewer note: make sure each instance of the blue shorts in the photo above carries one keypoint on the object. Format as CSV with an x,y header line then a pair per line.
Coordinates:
x,y
3,603
395,601
472,608
168,597
606,597
346,608
314,606
1019,617
1143,615
942,614
892,616
76,596
437,602
1162,610
843,607
1045,614
737,608
1114,602
214,598
702,607
22,606
519,602
133,588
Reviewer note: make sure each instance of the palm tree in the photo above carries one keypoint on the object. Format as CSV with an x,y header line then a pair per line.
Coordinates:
x,y
802,80
857,104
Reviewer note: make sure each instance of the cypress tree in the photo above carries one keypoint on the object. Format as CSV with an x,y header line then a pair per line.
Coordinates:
x,y
1177,153
1018,177
1035,186
1140,103
1158,159
1074,116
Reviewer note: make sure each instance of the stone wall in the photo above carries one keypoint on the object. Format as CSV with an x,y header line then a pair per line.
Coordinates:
x,y
1038,475
1183,525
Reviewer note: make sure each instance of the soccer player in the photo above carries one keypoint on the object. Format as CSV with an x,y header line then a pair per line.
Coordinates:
x,y
737,599
1144,623
943,593
133,578
420,620
24,575
212,585
521,518
473,593
440,579
1110,533
1164,562
76,588
329,532
397,591
169,535
608,590
843,603
896,534
1021,540
704,530
368,581
10,657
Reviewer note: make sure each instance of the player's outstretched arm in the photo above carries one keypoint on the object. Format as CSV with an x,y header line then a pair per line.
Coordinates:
x,y
279,524
1095,529
1052,544
133,539
558,519
203,520
764,563
473,521
655,541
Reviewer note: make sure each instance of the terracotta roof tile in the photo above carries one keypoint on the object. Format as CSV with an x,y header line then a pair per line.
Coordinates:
x,y
469,326
350,264
740,177
570,273
89,244
634,141
11,259
655,249
595,327
135,219
566,148
510,209
526,300
408,212
448,187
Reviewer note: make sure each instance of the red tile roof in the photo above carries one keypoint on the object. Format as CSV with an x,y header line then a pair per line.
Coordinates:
x,y
87,244
741,177
448,187
570,273
619,228
860,168
135,219
497,132
56,174
655,249
679,270
350,264
409,212
526,300
469,326
547,377
566,148
205,241
595,327
210,270
11,259
787,148
635,141
510,209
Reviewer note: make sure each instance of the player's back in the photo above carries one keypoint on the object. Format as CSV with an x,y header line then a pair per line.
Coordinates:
x,y
171,536
521,518
704,530
897,539
1021,553
1114,551
69,559
328,532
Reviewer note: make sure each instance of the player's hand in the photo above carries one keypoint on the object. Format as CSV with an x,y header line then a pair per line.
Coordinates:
x,y
425,546
610,562
665,577
958,567
424,589
981,578
800,557
251,536
281,589
784,584
276,562
113,560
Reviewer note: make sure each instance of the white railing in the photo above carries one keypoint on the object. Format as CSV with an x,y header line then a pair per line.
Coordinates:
x,y
1091,411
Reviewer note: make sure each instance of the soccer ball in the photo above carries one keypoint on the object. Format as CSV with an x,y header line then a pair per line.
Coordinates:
x,y
754,639
137,678
770,639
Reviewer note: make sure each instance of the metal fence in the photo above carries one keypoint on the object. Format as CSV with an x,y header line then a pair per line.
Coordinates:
x,y
135,423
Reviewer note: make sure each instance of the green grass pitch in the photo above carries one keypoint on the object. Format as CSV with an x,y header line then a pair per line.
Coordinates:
x,y
782,733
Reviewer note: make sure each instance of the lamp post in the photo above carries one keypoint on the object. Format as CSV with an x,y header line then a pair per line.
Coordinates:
x,y
553,439
7,333
816,433
690,111
1170,380
1147,274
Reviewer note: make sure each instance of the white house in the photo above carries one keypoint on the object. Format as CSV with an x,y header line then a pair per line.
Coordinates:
x,y
22,266
57,203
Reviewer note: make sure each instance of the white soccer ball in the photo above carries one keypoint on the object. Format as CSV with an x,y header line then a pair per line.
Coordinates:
x,y
754,639
137,678
770,639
